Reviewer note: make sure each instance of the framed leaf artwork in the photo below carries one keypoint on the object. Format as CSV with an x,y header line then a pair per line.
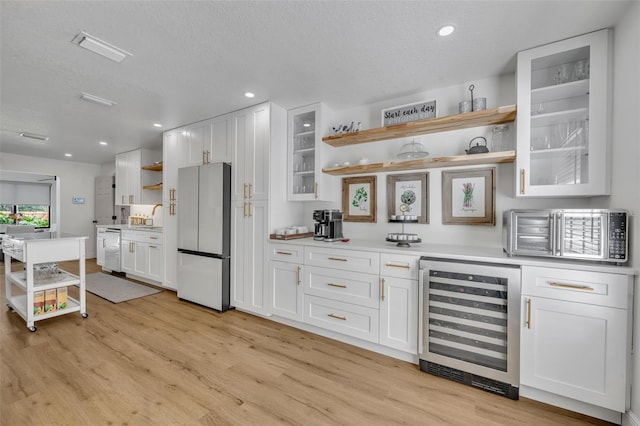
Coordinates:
x,y
359,199
469,197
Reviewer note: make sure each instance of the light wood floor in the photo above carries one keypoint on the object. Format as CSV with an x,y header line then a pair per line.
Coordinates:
x,y
157,360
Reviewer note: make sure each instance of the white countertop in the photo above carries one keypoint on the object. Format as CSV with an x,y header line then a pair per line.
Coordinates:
x,y
134,227
465,253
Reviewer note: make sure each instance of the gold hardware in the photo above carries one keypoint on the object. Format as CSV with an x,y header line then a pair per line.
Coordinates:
x,y
522,181
244,191
299,270
244,209
204,161
153,246
337,285
249,208
130,199
206,156
172,194
153,238
250,185
337,317
153,212
315,191
382,297
337,258
392,265
529,313
172,210
572,286
284,252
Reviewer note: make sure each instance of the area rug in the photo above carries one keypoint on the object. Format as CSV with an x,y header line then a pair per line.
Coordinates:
x,y
115,289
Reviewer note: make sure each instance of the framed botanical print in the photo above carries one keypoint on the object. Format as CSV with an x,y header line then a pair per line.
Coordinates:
x,y
359,199
408,197
468,197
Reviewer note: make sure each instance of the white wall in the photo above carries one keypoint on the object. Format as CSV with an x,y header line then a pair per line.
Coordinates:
x,y
76,180
499,91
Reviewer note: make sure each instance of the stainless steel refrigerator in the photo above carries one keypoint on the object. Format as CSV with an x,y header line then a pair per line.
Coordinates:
x,y
204,234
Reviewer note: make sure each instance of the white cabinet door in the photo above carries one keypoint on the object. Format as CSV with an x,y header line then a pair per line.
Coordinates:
x,y
141,258
169,199
127,256
155,261
250,166
399,313
248,256
306,155
193,143
575,350
100,246
134,176
564,107
122,179
221,147
286,290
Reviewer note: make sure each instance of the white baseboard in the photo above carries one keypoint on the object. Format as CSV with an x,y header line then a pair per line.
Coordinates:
x,y
630,419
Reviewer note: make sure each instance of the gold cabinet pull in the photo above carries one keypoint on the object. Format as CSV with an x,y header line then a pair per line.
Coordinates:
x,y
337,259
572,286
250,185
522,181
299,270
337,285
284,252
130,199
153,246
315,191
337,317
244,191
382,292
172,194
244,209
206,156
529,313
153,238
249,208
393,265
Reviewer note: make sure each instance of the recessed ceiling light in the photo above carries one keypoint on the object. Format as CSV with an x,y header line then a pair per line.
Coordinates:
x,y
68,155
100,47
34,136
446,30
103,143
306,125
95,99
249,95
157,125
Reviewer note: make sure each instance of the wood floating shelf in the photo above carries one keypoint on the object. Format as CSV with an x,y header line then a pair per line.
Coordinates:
x,y
153,167
153,187
425,163
500,115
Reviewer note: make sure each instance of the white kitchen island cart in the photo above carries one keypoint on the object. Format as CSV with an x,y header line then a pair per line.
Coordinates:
x,y
35,249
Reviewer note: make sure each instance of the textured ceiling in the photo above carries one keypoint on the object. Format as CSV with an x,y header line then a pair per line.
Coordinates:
x,y
195,59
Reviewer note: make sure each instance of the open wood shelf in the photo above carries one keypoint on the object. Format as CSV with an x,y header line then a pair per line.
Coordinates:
x,y
425,163
153,167
500,115
153,187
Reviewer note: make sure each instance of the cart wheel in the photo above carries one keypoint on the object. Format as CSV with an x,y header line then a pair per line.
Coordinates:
x,y
32,328
85,315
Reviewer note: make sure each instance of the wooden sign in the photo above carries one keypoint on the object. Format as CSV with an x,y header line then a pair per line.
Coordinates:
x,y
406,113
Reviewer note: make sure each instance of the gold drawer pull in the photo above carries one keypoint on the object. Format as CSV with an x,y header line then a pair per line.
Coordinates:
x,y
529,313
337,317
299,270
393,265
572,286
338,259
284,252
337,285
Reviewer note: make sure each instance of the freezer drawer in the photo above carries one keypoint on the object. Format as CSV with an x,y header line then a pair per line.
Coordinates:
x,y
204,280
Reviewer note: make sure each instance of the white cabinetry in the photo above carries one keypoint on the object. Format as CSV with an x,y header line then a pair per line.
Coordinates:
x,y
575,338
130,178
142,255
307,154
286,274
399,301
564,108
170,163
207,141
100,245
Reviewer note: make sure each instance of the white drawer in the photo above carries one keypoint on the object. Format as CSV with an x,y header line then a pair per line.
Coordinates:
x,y
594,288
349,260
150,237
351,287
286,253
129,235
399,265
353,320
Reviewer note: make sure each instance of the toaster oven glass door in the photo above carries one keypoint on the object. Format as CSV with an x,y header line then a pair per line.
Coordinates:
x,y
533,233
583,235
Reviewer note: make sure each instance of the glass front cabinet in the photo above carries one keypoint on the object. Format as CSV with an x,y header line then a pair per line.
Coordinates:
x,y
564,107
307,152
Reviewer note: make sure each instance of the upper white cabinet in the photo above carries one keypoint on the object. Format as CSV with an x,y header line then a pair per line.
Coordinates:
x,y
564,107
130,178
305,179
250,164
207,141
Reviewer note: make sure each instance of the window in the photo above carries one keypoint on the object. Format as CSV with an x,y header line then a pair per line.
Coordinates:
x,y
25,214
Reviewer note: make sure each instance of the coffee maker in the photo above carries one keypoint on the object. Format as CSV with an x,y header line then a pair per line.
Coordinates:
x,y
328,225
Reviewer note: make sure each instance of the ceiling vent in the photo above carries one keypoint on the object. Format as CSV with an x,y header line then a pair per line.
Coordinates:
x,y
34,136
100,47
96,100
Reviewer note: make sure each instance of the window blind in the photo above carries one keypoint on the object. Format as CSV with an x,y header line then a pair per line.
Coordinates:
x,y
25,193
